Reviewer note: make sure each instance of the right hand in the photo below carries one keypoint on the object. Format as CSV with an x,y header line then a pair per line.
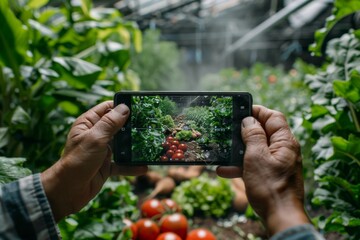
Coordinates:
x,y
272,170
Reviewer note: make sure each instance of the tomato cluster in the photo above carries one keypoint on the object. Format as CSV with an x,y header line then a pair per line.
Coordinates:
x,y
163,220
173,149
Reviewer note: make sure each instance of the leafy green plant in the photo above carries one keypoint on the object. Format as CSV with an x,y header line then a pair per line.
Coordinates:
x,y
221,120
158,65
11,169
55,62
334,125
200,115
204,195
184,135
103,217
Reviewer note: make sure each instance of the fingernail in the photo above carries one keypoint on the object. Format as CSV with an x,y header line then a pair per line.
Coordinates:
x,y
246,122
124,110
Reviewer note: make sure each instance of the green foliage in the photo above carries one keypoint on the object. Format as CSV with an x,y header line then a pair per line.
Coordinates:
x,y
103,217
158,64
151,123
167,122
12,169
55,62
333,123
221,120
342,9
168,107
269,86
204,195
184,135
200,115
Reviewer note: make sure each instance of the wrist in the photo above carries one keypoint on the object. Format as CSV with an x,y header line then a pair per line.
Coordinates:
x,y
284,215
54,192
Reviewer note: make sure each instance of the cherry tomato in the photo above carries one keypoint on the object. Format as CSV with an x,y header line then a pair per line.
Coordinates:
x,y
164,158
170,139
147,229
169,153
152,208
183,147
176,223
178,156
179,151
200,234
170,205
166,145
173,147
132,227
168,236
175,142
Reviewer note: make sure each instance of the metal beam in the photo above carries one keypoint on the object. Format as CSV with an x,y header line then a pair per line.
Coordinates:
x,y
266,25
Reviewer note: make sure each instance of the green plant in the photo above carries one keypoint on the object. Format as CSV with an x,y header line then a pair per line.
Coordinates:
x,y
204,195
200,115
102,217
221,120
184,135
167,121
168,107
158,65
334,125
12,169
55,62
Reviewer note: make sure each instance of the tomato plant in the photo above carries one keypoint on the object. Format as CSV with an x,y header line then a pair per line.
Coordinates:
x,y
176,223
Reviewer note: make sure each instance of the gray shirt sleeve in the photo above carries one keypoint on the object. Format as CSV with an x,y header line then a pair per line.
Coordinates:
x,y
25,212
301,232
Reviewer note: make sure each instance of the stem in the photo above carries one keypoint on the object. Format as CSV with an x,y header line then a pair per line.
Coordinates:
x,y
354,116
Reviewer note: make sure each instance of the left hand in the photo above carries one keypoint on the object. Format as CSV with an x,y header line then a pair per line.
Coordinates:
x,y
86,163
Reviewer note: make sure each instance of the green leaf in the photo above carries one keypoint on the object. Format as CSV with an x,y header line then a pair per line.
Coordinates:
x,y
4,136
137,40
70,108
11,169
349,90
13,39
35,4
20,118
342,8
77,72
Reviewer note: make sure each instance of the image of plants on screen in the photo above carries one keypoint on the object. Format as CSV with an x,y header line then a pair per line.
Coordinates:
x,y
181,128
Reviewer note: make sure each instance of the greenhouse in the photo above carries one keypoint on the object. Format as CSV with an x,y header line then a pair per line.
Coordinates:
x,y
180,119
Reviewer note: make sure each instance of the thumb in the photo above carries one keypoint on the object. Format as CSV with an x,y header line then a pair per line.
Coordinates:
x,y
253,135
111,122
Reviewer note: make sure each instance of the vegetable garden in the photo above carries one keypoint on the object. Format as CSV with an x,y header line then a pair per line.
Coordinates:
x,y
56,61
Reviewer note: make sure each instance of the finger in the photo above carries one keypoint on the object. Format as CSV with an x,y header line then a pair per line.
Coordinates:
x,y
127,170
110,123
93,115
229,171
253,134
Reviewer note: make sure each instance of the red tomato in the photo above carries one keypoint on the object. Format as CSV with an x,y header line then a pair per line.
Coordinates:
x,y
179,151
176,223
170,205
200,234
132,227
168,236
170,139
176,143
173,147
178,156
166,145
182,146
152,208
164,158
147,229
169,153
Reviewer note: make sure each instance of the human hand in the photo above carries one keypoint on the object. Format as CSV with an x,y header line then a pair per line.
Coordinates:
x,y
86,162
272,170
